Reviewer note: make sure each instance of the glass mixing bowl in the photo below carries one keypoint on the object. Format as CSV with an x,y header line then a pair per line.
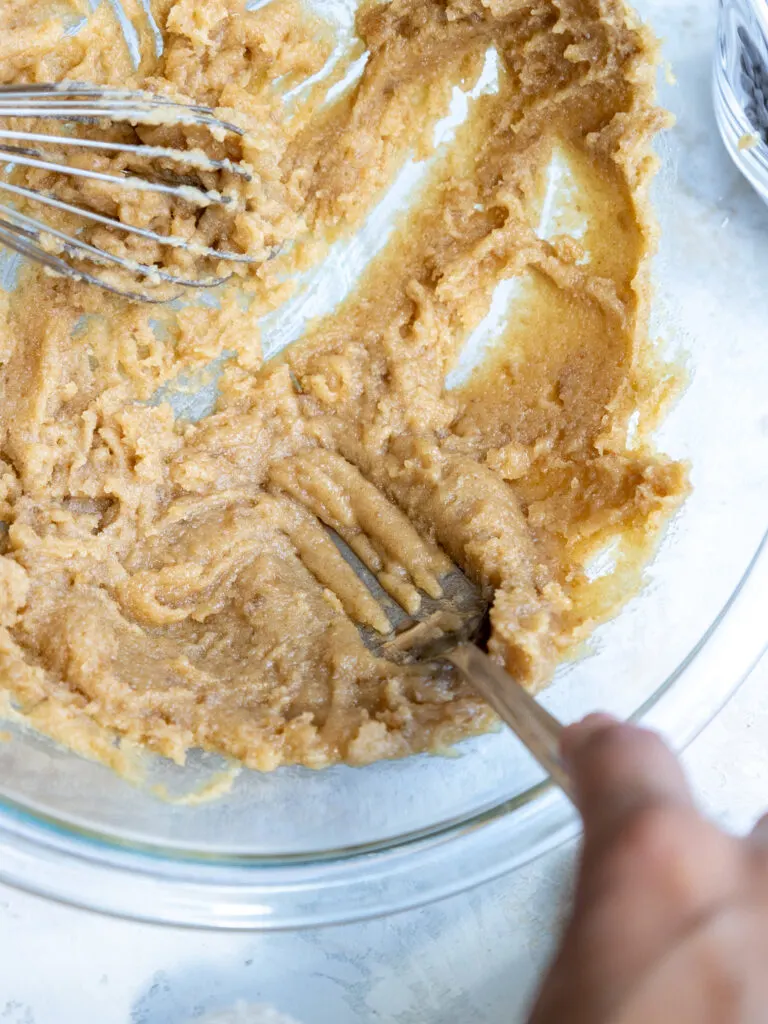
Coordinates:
x,y
299,847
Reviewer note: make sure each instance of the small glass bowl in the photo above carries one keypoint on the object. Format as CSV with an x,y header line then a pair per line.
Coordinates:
x,y
741,87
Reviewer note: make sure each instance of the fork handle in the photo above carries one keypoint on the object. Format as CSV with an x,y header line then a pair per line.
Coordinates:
x,y
534,726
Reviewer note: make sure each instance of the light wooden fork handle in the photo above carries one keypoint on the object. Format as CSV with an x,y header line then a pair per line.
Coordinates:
x,y
534,726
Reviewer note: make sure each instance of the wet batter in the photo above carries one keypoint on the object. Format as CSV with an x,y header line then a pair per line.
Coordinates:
x,y
170,584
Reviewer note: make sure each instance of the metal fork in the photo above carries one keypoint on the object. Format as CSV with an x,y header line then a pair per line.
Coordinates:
x,y
535,727
72,103
442,634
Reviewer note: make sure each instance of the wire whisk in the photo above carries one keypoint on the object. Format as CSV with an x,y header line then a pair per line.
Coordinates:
x,y
163,170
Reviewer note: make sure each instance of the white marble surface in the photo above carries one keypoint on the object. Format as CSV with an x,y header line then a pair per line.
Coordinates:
x,y
475,957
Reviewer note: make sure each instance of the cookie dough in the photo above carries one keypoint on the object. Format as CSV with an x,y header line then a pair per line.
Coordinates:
x,y
167,584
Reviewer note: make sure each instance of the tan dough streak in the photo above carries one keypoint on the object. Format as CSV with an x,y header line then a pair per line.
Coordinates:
x,y
196,583
309,486
376,524
324,560
28,42
470,511
475,515
14,588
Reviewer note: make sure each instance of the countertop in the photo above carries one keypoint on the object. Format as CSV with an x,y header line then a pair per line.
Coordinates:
x,y
475,957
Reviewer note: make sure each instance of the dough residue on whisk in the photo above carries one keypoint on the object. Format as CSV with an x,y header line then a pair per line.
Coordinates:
x,y
168,582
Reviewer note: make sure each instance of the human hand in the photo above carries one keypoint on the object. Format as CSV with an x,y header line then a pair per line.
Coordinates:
x,y
670,922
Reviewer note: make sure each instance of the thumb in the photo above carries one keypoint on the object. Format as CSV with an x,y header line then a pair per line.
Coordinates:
x,y
617,770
